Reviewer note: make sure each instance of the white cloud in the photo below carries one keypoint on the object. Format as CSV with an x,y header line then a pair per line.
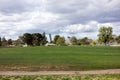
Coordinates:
x,y
74,17
21,23
115,26
80,28
88,30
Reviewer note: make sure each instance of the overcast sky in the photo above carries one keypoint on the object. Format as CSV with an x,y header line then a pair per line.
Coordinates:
x,y
80,18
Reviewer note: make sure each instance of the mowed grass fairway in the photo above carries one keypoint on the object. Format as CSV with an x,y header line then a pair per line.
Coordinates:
x,y
59,58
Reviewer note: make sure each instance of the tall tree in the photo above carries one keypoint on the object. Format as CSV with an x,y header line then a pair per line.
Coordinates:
x,y
73,40
56,38
27,38
10,42
118,39
44,39
4,39
37,38
4,42
60,41
105,35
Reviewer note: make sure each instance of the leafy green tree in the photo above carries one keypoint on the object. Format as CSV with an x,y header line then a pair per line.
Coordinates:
x,y
105,35
73,40
83,41
10,42
60,41
56,38
36,39
18,42
27,38
118,39
4,42
93,43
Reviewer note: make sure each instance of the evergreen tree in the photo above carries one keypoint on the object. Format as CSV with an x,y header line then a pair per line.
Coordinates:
x,y
44,39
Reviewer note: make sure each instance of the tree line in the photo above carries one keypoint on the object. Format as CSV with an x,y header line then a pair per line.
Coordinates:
x,y
105,37
58,40
35,39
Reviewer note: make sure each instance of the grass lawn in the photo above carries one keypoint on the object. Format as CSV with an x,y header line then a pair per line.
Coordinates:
x,y
63,77
59,58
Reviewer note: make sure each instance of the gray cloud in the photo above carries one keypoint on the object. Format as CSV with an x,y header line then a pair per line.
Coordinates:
x,y
57,16
19,6
76,11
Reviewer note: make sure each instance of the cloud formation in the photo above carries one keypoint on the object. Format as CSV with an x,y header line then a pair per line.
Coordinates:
x,y
75,17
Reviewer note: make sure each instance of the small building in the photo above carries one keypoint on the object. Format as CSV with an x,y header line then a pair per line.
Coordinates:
x,y
50,44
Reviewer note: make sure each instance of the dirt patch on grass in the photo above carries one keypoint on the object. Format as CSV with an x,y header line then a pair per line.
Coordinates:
x,y
42,68
109,71
34,68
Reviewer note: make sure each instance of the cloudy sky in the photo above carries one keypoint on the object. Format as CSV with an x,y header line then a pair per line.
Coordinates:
x,y
80,18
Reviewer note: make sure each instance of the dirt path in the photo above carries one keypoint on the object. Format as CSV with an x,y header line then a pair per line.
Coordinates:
x,y
109,71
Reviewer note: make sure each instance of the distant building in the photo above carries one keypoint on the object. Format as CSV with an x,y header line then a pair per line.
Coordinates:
x,y
25,45
50,44
67,42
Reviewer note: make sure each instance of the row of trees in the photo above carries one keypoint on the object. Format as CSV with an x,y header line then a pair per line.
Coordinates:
x,y
82,41
105,37
72,41
4,42
35,39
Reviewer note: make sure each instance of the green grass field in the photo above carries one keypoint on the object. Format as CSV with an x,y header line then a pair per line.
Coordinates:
x,y
59,58
64,77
